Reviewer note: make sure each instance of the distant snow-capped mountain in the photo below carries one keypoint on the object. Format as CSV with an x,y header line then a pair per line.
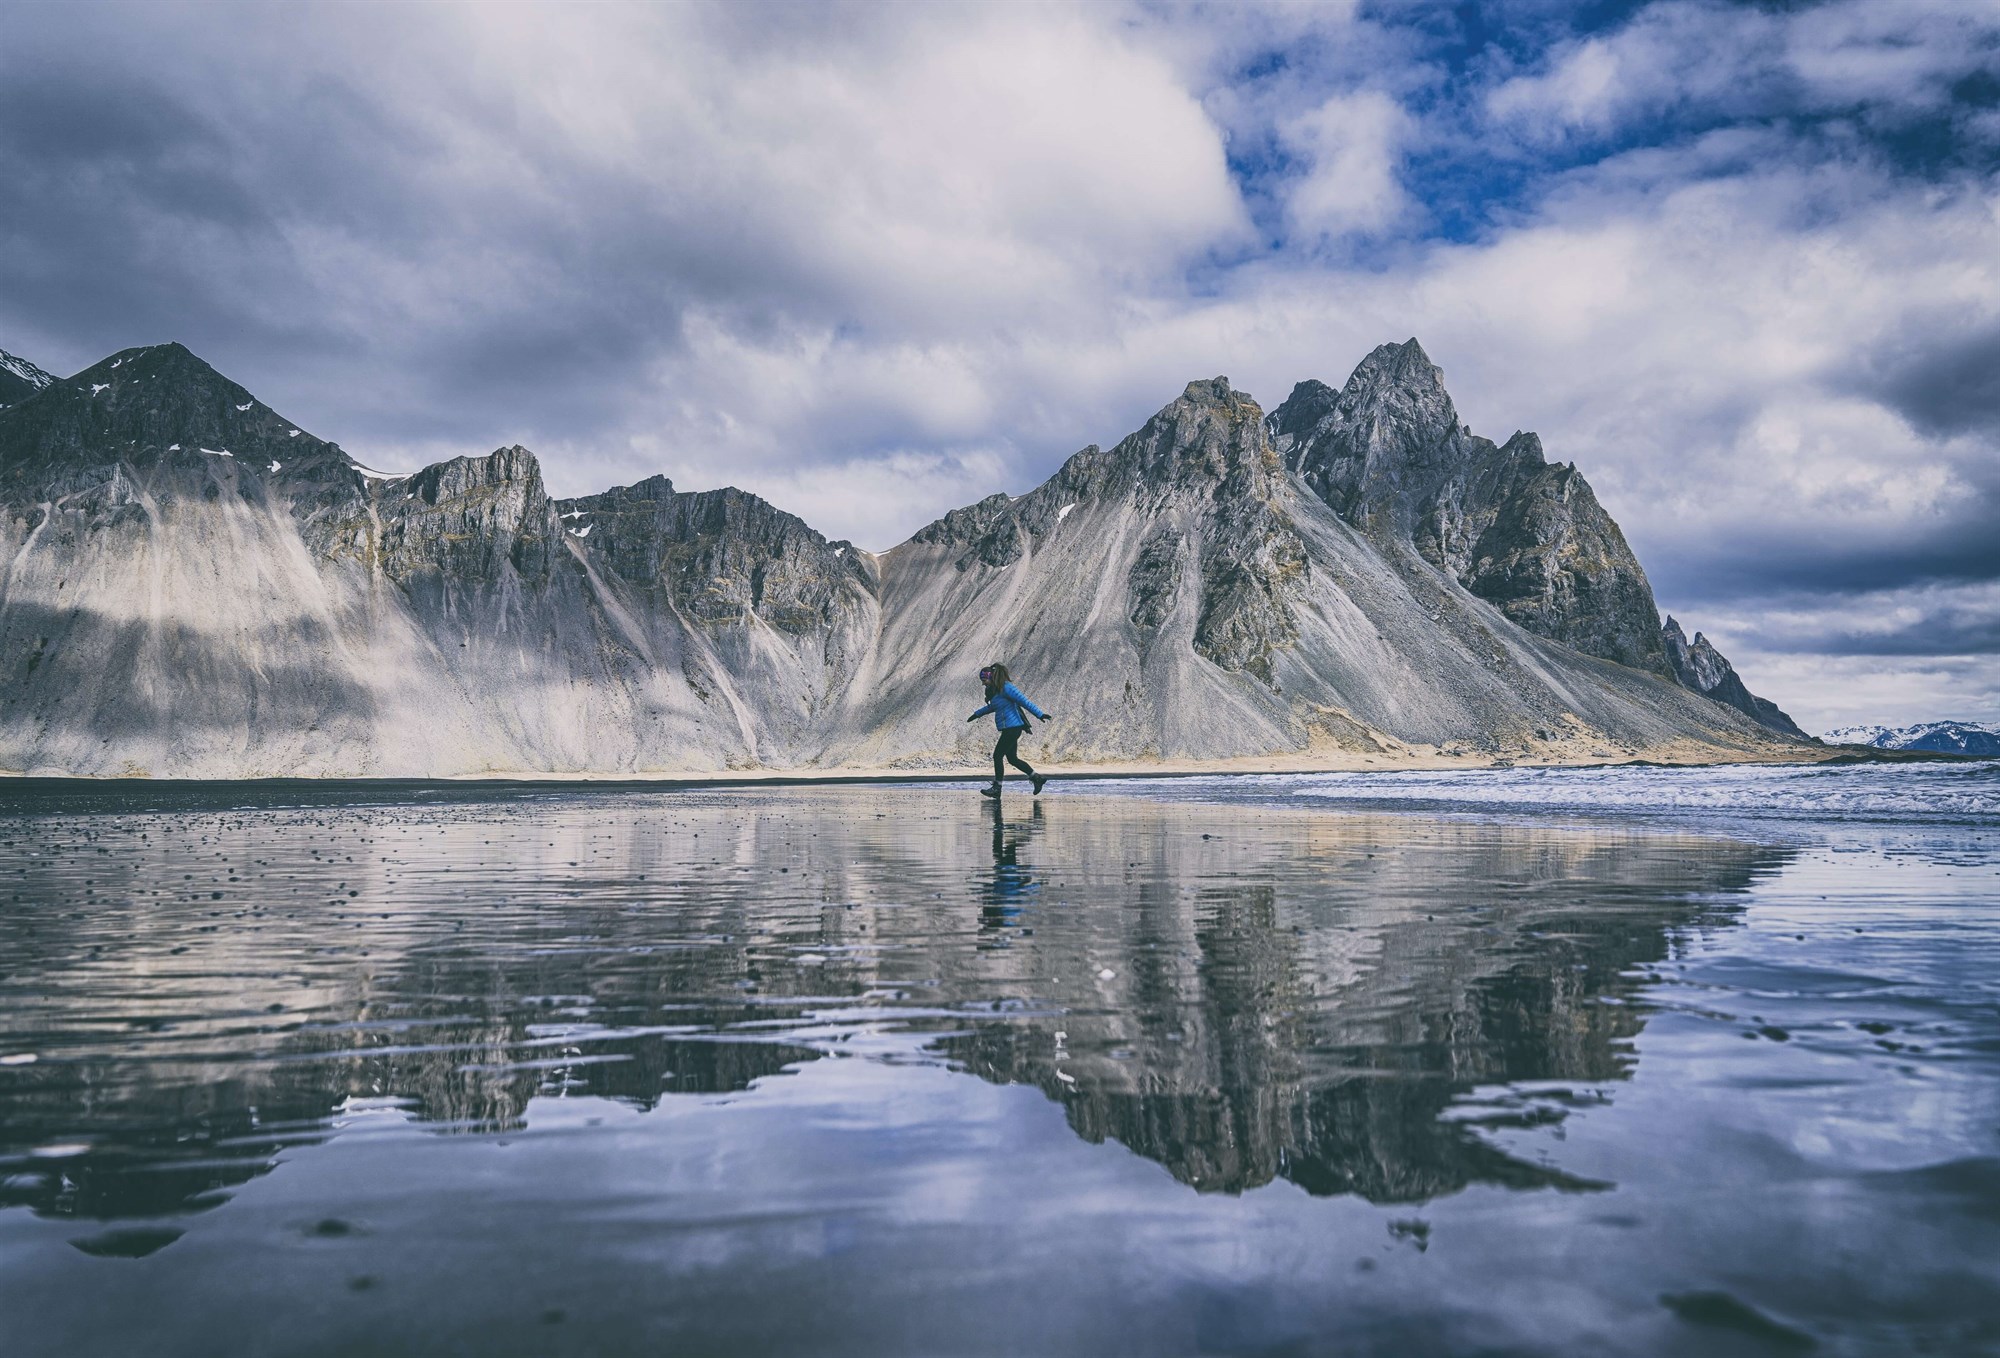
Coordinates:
x,y
1947,737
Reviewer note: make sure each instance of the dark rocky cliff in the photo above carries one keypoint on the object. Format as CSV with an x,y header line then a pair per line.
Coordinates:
x,y
1388,454
1699,666
468,520
723,556
1209,448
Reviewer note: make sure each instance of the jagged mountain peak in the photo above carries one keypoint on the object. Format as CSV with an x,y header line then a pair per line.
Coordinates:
x,y
157,356
1388,368
1380,444
1212,432
1696,663
1526,448
1205,398
173,363
1388,454
1215,391
152,405
466,523
1300,413
1699,666
460,476
1395,402
655,487
1208,446
1209,398
1404,365
20,379
168,375
1208,440
122,372
726,509
723,556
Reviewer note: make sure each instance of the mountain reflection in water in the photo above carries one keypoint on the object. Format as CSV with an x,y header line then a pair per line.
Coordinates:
x,y
1238,993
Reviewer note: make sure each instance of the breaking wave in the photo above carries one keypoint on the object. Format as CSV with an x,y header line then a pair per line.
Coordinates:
x,y
1942,792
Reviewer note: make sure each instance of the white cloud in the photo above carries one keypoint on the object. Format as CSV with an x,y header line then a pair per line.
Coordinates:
x,y
1734,60
1865,51
1351,145
908,170
1584,89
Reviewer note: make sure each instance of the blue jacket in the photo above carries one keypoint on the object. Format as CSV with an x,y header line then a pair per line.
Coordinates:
x,y
1007,709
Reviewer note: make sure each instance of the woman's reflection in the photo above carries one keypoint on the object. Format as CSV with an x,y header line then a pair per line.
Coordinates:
x,y
1012,886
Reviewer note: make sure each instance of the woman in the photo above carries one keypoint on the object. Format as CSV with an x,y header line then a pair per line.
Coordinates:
x,y
1010,708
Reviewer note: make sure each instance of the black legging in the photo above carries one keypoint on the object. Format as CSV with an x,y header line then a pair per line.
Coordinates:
x,y
1008,749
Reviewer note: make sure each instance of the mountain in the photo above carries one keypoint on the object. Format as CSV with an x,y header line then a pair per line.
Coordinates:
x,y
1388,454
1946,737
1701,667
1197,598
198,587
19,379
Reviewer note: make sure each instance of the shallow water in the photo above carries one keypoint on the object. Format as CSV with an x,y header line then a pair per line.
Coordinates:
x,y
1250,1067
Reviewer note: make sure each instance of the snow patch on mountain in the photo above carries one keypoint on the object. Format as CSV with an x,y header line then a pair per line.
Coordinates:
x,y
26,371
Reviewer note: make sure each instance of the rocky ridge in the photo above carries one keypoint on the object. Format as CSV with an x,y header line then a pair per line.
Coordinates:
x,y
199,587
19,379
1388,454
1699,666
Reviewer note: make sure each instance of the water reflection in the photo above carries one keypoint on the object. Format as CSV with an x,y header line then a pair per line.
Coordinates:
x,y
1237,993
1013,886
1309,998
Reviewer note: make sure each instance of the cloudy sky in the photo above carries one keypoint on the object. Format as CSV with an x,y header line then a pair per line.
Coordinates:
x,y
1740,262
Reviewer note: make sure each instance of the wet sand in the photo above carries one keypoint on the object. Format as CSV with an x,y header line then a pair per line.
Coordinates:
x,y
1322,758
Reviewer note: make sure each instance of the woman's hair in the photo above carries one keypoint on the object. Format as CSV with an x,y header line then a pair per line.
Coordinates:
x,y
995,677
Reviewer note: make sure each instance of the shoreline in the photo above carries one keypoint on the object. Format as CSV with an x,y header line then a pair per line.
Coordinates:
x,y
14,782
